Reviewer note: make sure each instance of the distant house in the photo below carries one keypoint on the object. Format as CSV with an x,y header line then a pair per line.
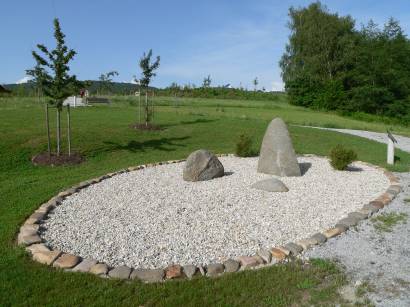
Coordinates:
x,y
3,90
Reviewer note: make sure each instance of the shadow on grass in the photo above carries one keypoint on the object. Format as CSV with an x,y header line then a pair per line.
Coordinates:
x,y
162,144
192,122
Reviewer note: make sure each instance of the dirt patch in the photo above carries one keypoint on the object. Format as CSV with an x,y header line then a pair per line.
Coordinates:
x,y
53,160
146,127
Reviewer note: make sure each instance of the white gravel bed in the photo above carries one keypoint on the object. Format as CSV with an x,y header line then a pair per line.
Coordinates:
x,y
152,218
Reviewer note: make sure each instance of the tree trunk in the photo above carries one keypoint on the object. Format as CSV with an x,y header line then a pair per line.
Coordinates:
x,y
69,129
146,108
139,109
58,131
48,132
152,106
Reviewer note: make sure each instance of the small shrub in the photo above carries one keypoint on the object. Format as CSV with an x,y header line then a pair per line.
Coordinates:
x,y
244,146
341,157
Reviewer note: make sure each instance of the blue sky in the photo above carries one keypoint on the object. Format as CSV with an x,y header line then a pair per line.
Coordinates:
x,y
233,41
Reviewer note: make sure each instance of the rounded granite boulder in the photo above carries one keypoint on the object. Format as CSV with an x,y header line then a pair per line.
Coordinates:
x,y
202,165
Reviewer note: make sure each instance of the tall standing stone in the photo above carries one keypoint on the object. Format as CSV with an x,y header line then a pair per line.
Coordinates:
x,y
277,156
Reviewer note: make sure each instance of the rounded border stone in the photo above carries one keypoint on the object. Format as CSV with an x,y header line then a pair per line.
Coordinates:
x,y
29,237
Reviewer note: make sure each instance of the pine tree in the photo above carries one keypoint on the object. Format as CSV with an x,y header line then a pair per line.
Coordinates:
x,y
51,71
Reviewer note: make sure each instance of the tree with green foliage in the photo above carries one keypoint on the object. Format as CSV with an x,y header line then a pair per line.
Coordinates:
x,y
52,74
148,72
380,80
316,56
106,81
330,65
38,75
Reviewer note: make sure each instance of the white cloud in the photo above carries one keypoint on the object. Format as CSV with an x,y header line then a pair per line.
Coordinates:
x,y
234,55
278,86
24,80
132,81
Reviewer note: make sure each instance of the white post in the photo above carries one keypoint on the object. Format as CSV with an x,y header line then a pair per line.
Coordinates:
x,y
75,101
390,151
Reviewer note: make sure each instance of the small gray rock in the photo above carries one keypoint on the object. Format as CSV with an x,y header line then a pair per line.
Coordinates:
x,y
395,188
348,222
320,238
277,156
148,275
231,265
371,207
214,269
28,239
266,255
357,215
202,270
270,185
85,265
99,269
189,270
202,165
120,272
294,248
392,193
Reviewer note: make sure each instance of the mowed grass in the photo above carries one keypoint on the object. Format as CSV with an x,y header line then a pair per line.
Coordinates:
x,y
293,115
103,135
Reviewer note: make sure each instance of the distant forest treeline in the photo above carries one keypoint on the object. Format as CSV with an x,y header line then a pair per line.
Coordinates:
x,y
99,88
329,64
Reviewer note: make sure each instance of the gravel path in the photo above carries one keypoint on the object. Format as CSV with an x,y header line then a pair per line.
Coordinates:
x,y
381,259
151,217
403,142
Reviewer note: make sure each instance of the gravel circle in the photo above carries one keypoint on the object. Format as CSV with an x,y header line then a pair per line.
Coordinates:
x,y
151,218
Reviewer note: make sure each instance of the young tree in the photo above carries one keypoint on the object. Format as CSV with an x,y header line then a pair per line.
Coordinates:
x,y
106,81
148,72
51,71
40,78
207,82
255,83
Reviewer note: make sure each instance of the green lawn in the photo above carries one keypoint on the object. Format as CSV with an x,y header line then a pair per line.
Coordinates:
x,y
103,135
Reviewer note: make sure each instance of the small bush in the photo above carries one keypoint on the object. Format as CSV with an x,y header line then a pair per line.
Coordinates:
x,y
341,157
244,146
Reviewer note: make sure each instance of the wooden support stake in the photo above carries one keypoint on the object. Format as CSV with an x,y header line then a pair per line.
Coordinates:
x,y
69,129
48,132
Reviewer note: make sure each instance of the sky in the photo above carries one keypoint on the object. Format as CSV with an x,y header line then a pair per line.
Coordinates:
x,y
232,41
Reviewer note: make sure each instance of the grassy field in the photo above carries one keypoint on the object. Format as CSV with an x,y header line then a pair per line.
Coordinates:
x,y
264,109
103,135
